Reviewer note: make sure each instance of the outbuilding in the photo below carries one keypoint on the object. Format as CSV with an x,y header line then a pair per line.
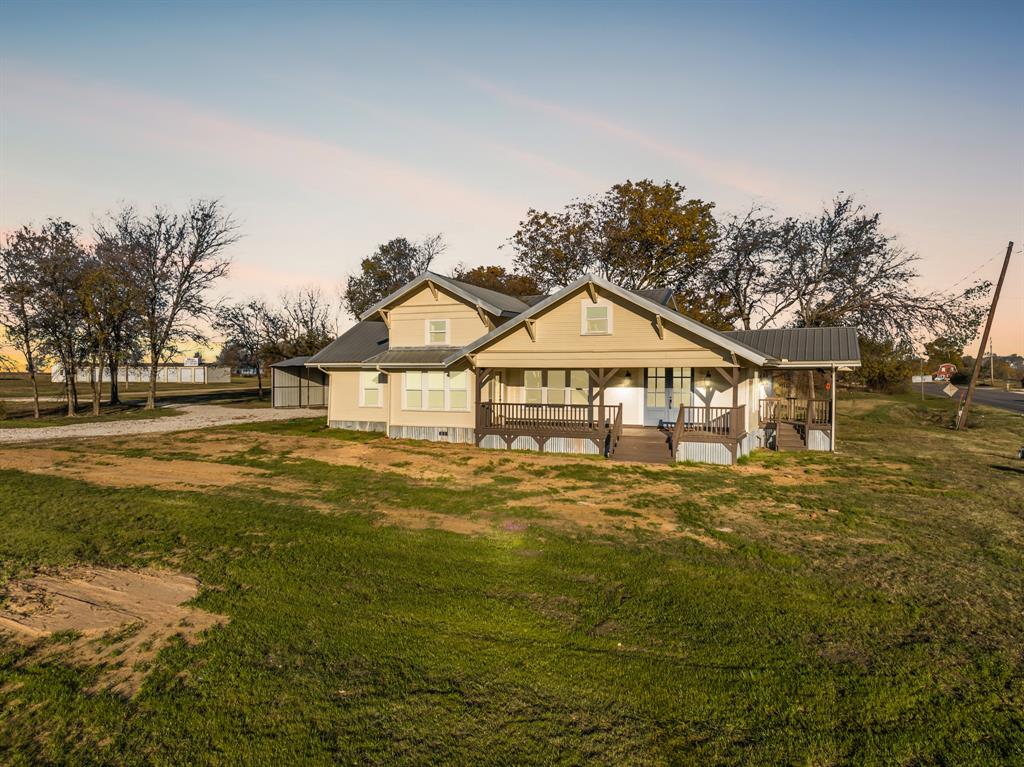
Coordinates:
x,y
295,385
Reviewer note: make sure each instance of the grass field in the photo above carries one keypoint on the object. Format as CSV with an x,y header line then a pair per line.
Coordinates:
x,y
390,602
16,406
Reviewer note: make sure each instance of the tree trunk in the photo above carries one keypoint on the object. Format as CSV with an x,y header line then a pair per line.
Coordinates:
x,y
259,383
74,387
69,392
35,386
112,365
151,396
96,379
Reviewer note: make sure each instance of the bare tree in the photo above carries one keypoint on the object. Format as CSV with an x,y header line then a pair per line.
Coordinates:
x,y
308,322
254,330
176,258
746,267
115,300
18,281
56,301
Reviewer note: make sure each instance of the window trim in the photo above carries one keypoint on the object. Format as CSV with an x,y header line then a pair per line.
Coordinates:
x,y
425,389
363,388
584,304
447,332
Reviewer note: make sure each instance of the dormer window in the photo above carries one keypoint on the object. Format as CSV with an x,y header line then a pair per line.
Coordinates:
x,y
596,320
437,332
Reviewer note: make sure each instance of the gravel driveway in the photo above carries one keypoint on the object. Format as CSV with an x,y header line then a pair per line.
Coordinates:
x,y
192,417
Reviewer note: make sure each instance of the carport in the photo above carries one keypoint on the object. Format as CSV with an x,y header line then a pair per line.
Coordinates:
x,y
295,385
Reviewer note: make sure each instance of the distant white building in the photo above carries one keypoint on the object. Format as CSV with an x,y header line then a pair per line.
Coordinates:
x,y
192,371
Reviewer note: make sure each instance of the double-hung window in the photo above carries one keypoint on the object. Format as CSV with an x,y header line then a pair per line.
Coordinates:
x,y
436,390
556,387
596,319
369,389
437,332
533,387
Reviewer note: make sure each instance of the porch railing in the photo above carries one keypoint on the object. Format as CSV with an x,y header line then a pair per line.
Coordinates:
x,y
538,420
796,410
730,422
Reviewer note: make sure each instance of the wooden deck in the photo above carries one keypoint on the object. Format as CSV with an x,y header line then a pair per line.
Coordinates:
x,y
602,424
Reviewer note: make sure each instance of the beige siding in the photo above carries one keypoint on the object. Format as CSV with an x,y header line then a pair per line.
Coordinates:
x,y
409,319
343,402
400,417
632,342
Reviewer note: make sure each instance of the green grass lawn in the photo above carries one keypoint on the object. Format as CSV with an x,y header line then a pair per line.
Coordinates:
x,y
812,609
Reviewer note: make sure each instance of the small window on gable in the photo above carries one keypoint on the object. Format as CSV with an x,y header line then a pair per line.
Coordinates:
x,y
597,319
437,332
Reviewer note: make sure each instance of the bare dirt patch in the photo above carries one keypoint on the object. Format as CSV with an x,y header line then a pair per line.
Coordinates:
x,y
121,471
116,619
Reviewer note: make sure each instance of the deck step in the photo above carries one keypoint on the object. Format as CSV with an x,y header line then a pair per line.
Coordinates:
x,y
648,446
789,438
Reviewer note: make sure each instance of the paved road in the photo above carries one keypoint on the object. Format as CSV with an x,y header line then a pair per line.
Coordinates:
x,y
1000,398
192,417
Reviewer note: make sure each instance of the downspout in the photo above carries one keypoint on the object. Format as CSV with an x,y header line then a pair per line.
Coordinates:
x,y
328,374
387,406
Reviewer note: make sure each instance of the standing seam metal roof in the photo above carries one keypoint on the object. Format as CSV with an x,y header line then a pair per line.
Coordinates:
x,y
803,344
360,342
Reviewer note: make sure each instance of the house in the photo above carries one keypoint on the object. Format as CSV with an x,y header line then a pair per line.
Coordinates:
x,y
593,368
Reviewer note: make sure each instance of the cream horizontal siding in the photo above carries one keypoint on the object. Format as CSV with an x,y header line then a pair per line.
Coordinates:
x,y
633,341
408,319
343,399
439,418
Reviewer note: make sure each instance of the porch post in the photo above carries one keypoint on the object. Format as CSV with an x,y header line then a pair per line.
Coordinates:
x,y
832,414
600,398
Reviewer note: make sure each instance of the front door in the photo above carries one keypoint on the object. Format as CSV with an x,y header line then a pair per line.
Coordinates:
x,y
665,390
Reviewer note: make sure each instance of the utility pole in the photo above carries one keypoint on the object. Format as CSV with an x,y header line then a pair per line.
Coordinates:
x,y
992,363
984,340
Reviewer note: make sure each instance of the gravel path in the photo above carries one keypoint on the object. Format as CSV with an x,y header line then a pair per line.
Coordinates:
x,y
192,417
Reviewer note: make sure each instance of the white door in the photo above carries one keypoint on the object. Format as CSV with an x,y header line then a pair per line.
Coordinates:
x,y
665,390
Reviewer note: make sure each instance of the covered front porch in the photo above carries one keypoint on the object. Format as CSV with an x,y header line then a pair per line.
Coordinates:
x,y
708,415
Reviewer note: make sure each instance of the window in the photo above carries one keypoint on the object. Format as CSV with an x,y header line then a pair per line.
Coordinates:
x,y
437,332
369,389
656,387
533,383
597,319
436,390
579,380
413,390
556,387
458,390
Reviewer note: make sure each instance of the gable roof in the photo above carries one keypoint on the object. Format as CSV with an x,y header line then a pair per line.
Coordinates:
x,y
791,345
357,344
291,362
491,301
681,320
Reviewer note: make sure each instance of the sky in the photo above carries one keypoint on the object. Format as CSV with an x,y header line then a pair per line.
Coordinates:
x,y
329,128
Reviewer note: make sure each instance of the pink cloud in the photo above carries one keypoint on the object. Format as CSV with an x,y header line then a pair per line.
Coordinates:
x,y
310,162
727,173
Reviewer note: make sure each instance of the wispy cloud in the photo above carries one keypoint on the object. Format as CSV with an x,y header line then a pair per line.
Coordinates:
x,y
222,139
722,172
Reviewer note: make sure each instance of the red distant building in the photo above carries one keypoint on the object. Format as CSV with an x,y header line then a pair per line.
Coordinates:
x,y
946,371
